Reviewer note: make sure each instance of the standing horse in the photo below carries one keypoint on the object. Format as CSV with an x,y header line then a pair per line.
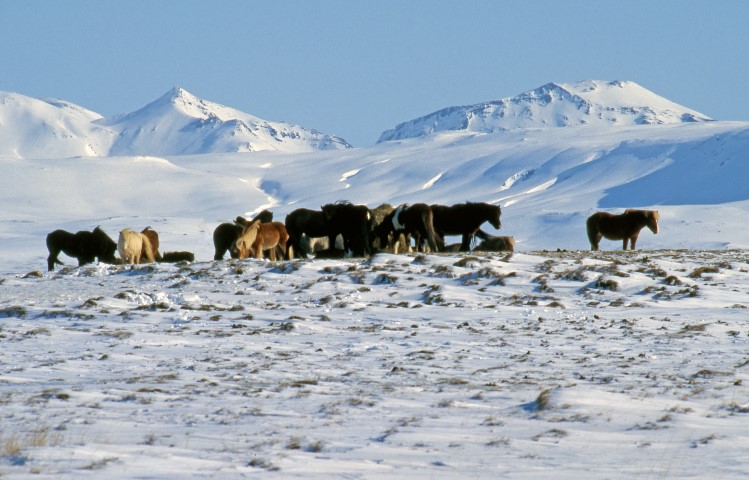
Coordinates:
x,y
625,226
227,233
416,220
257,237
133,245
84,246
465,219
312,223
153,237
353,223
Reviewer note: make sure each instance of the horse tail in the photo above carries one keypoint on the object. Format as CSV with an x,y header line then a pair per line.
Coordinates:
x,y
435,240
147,247
591,226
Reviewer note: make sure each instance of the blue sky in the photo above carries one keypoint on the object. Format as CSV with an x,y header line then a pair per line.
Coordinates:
x,y
356,68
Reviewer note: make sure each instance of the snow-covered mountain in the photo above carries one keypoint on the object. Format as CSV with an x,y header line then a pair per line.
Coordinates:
x,y
178,123
590,102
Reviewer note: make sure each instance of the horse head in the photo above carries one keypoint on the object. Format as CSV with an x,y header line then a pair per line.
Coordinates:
x,y
653,217
241,247
496,212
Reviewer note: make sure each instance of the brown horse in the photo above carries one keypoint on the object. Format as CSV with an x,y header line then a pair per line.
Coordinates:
x,y
257,237
625,226
496,244
153,237
227,233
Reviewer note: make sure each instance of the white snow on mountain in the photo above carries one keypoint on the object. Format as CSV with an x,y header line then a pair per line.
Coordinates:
x,y
178,123
590,102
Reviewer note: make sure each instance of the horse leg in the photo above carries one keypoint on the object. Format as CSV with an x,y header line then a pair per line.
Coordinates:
x,y
272,253
595,240
52,259
632,241
465,244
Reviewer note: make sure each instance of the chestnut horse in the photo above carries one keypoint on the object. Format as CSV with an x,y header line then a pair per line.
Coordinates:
x,y
153,237
625,226
257,237
83,245
227,233
465,219
133,245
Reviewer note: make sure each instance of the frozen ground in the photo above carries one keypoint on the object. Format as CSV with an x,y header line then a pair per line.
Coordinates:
x,y
537,365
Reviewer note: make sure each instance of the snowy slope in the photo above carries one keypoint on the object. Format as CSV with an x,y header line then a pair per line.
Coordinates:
x,y
178,123
33,128
590,102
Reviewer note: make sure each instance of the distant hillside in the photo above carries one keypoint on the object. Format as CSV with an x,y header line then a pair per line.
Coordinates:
x,y
591,102
178,123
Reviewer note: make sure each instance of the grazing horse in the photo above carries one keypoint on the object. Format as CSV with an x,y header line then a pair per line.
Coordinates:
x,y
133,245
413,220
625,226
227,233
496,244
153,237
174,257
465,219
353,223
83,245
311,223
257,237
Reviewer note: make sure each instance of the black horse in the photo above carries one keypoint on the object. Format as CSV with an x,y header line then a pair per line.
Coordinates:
x,y
227,233
415,220
84,245
465,219
312,223
353,223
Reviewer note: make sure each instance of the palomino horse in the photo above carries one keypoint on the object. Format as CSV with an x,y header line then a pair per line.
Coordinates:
x,y
257,237
413,220
625,226
465,219
153,237
133,245
227,233
83,245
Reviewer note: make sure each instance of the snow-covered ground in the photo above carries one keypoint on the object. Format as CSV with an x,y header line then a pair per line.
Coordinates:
x,y
535,365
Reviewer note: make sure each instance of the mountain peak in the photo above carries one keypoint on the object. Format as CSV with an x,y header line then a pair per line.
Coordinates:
x,y
588,102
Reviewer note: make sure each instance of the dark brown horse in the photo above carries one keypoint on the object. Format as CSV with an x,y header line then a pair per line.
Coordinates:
x,y
465,219
83,245
625,226
413,220
353,223
227,233
312,223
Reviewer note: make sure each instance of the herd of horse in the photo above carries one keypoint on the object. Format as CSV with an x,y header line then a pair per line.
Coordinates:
x,y
338,230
